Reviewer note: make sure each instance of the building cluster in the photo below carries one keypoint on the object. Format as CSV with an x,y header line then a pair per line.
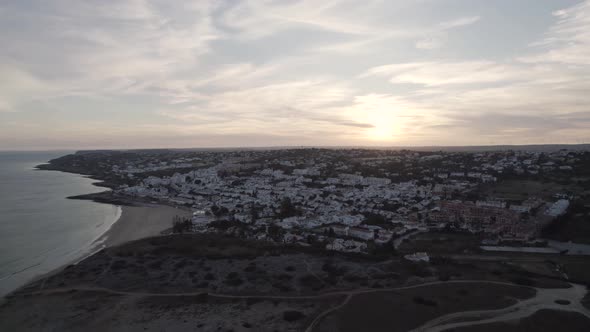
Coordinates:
x,y
348,200
491,218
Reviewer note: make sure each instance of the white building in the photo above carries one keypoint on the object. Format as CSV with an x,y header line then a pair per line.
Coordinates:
x,y
558,208
418,257
494,204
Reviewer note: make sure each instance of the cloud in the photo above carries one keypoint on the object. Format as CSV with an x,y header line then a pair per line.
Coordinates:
x,y
339,72
532,98
342,122
438,36
432,42
292,106
446,73
568,41
257,19
460,22
18,86
5,106
111,47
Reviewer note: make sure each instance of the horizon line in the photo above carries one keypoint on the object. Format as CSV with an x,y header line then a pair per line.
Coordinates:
x,y
287,147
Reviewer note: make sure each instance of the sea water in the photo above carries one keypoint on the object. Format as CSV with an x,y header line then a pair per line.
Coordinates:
x,y
40,229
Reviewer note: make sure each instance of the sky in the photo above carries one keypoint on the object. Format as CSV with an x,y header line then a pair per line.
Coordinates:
x,y
232,73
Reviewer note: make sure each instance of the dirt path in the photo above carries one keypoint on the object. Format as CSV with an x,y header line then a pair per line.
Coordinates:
x,y
323,295
544,299
327,312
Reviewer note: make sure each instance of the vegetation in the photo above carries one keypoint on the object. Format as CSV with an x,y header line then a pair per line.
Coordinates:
x,y
181,225
572,226
375,219
288,209
291,315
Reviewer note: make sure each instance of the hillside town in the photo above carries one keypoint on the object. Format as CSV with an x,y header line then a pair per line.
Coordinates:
x,y
350,200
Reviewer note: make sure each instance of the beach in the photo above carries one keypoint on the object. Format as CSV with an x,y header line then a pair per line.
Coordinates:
x,y
141,221
40,239
40,229
134,223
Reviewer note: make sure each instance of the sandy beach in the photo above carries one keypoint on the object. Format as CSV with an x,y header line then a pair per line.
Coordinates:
x,y
138,222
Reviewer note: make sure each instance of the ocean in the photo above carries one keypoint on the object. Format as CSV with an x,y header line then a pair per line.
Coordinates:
x,y
40,229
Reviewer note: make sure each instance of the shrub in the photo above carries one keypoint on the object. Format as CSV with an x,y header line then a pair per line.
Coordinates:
x,y
523,281
233,279
423,301
292,315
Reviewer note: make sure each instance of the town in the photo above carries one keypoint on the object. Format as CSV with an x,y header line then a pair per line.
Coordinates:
x,y
350,200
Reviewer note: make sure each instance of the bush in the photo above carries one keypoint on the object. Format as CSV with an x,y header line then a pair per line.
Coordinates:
x,y
288,209
524,281
310,281
155,265
233,279
283,288
292,315
374,219
463,292
423,301
284,276
202,298
333,270
203,284
444,277
181,225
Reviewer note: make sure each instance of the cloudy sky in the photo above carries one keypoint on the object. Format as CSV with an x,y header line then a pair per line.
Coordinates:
x,y
209,73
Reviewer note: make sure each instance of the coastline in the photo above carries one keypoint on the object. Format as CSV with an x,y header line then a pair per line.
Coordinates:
x,y
133,223
43,263
136,219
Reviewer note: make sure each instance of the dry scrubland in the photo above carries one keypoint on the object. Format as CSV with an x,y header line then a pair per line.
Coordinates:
x,y
101,311
216,283
541,321
404,310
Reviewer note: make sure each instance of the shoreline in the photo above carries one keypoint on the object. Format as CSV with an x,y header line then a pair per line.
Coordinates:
x,y
136,219
133,223
74,255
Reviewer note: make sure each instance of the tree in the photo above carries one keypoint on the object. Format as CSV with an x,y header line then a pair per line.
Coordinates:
x,y
219,211
374,219
287,209
274,232
254,214
181,225
331,232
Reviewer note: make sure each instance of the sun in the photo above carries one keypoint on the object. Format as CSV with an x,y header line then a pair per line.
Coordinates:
x,y
385,127
385,124
382,131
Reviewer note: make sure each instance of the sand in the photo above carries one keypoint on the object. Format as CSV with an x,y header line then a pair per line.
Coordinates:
x,y
137,222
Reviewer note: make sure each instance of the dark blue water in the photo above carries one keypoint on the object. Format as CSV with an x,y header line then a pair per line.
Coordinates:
x,y
40,229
